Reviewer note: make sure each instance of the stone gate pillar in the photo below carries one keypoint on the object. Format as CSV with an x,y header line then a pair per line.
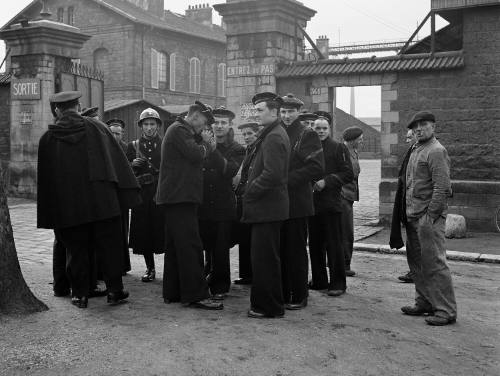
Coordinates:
x,y
37,48
261,35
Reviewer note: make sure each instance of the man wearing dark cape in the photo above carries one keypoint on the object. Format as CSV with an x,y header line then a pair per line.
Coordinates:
x,y
84,183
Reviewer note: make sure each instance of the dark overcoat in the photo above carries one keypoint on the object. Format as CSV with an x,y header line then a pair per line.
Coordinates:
x,y
83,174
181,175
147,230
306,164
219,200
338,171
266,192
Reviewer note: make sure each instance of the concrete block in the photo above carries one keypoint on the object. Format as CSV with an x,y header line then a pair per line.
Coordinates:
x,y
455,226
493,259
462,256
390,116
389,95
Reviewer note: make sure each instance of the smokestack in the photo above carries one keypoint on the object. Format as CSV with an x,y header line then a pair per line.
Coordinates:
x,y
201,14
323,44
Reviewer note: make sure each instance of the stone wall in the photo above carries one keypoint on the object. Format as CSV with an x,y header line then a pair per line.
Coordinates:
x,y
4,123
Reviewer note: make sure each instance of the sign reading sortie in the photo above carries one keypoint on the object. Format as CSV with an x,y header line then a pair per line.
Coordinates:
x,y
251,70
25,89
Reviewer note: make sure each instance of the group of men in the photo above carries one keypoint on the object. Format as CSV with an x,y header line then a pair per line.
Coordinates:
x,y
197,192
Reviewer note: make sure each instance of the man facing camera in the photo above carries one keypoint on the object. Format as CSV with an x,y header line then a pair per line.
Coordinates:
x,y
266,206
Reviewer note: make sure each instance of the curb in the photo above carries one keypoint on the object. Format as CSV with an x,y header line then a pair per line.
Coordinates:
x,y
450,255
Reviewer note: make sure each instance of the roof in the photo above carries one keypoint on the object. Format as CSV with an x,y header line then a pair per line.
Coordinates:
x,y
5,78
114,104
168,21
453,4
399,63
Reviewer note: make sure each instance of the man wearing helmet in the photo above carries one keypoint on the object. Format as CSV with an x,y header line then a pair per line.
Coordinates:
x,y
147,222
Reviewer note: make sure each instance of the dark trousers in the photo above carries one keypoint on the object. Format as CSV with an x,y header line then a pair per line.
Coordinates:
x,y
294,261
244,258
347,230
183,277
105,239
266,295
216,239
61,280
325,239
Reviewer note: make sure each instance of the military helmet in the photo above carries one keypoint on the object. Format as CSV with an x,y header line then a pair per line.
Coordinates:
x,y
149,113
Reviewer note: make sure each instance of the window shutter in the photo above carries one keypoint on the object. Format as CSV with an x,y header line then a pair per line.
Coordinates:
x,y
154,68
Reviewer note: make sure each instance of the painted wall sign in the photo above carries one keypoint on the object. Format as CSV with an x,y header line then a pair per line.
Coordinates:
x,y
248,112
315,91
22,89
251,70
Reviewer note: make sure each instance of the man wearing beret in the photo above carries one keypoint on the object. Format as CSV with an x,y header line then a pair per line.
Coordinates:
x,y
266,206
353,139
306,165
85,202
218,210
428,187
186,145
242,231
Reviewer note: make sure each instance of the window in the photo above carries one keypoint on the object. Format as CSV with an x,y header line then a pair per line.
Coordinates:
x,y
162,66
155,77
71,16
194,75
172,71
221,80
60,15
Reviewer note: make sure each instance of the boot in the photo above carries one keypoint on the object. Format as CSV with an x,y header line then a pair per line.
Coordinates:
x,y
149,276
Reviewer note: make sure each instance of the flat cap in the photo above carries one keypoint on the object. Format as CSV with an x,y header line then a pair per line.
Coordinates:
x,y
65,96
253,125
306,115
324,115
265,97
117,122
290,101
206,110
223,112
352,133
90,112
421,116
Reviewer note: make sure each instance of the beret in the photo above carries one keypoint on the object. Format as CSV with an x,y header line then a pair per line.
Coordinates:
x,y
65,96
421,116
265,97
325,115
306,115
290,101
90,112
206,110
352,133
255,126
223,112
115,121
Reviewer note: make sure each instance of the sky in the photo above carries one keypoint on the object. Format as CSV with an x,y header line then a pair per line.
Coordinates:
x,y
342,21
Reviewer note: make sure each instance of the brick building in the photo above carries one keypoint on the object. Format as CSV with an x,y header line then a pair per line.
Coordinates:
x,y
144,51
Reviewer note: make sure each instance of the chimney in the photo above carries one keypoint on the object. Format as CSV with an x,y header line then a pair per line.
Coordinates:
x,y
323,44
155,7
201,13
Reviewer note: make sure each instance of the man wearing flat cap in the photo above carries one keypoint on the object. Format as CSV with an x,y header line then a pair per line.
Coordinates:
x,y
265,205
84,183
307,118
306,165
218,210
186,145
428,187
353,139
117,127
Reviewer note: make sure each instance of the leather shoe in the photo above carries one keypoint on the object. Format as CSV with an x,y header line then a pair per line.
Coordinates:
x,y
97,292
440,321
335,292
243,281
296,306
350,273
406,278
119,297
313,286
80,301
218,297
416,311
149,276
207,304
258,315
